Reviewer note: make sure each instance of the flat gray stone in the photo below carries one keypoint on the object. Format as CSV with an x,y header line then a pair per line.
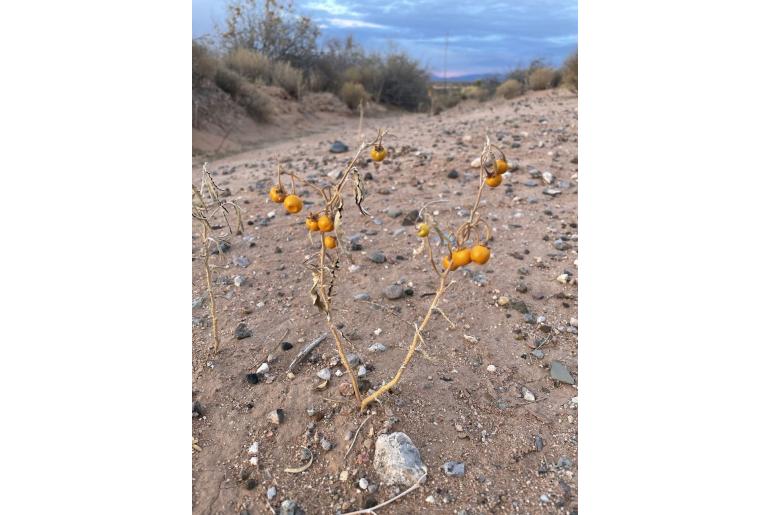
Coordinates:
x,y
338,147
393,292
560,373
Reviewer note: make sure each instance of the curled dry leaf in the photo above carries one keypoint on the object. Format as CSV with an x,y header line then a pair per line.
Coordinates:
x,y
303,468
318,301
323,385
360,192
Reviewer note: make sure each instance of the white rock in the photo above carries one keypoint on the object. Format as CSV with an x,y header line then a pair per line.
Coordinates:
x,y
338,373
377,332
430,499
573,322
397,461
253,460
476,163
324,374
363,483
254,449
547,177
271,214
344,475
361,371
491,368
527,394
263,368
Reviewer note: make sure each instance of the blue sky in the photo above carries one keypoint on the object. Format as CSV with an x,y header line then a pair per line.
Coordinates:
x,y
483,37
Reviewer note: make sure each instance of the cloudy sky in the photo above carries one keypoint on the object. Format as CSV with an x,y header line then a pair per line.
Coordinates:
x,y
482,36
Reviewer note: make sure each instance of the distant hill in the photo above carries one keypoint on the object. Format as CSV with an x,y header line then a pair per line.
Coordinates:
x,y
472,77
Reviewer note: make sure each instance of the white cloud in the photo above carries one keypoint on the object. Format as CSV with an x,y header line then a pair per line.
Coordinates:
x,y
331,7
343,23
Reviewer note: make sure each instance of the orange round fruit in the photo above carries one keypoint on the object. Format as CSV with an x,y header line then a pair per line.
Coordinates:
x,y
277,194
501,166
461,257
480,254
330,242
445,262
378,153
325,223
311,223
293,204
494,182
423,230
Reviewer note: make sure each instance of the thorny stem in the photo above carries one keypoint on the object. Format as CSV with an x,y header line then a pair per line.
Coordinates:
x,y
412,347
439,291
332,329
212,305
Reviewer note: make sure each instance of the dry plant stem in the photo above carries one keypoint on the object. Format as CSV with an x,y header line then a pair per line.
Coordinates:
x,y
333,330
371,510
212,305
393,382
356,436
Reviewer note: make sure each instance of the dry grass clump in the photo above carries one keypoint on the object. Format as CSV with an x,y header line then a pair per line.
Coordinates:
x,y
286,76
249,64
228,81
256,103
474,92
569,73
353,93
510,89
204,65
542,78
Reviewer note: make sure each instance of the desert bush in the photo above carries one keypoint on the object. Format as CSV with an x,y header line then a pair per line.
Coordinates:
x,y
510,89
404,83
228,81
473,92
204,64
249,64
287,77
569,72
256,103
352,93
444,99
542,78
273,29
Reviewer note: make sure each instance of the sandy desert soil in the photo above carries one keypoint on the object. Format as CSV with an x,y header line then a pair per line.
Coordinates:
x,y
464,398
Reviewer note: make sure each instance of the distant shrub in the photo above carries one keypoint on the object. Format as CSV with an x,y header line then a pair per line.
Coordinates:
x,y
228,80
542,78
473,93
288,77
204,65
569,72
510,89
250,64
519,74
352,93
404,83
443,100
256,103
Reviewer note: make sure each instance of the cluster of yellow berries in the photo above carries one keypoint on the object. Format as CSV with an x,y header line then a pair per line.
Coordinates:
x,y
462,256
322,224
501,166
292,203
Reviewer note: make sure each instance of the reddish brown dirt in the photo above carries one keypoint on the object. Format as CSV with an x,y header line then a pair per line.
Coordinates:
x,y
448,402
